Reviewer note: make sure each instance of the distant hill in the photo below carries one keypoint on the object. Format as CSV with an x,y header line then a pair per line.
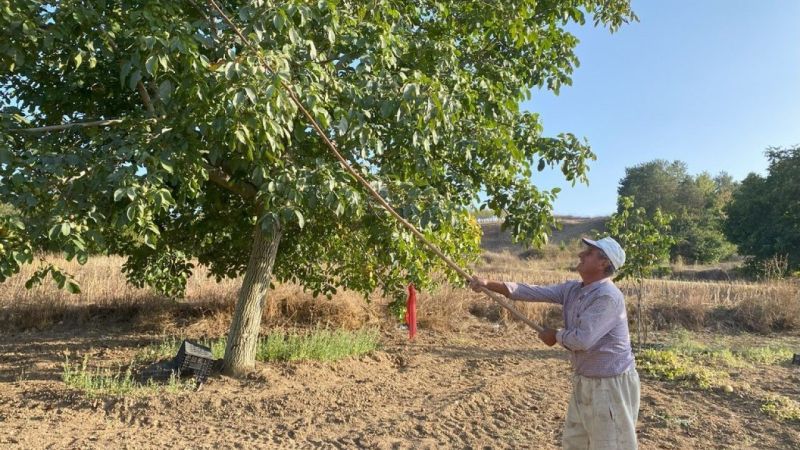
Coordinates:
x,y
572,228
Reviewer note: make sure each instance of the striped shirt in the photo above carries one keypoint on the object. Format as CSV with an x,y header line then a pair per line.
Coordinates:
x,y
595,324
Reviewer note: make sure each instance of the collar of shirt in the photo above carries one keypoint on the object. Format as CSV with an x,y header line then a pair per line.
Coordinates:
x,y
593,286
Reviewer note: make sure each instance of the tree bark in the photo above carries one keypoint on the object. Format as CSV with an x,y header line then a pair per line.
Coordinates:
x,y
240,351
639,314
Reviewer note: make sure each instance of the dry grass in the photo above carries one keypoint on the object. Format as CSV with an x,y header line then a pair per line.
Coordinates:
x,y
761,307
206,310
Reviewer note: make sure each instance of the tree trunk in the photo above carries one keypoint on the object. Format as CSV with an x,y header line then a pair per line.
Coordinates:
x,y
639,315
240,351
645,323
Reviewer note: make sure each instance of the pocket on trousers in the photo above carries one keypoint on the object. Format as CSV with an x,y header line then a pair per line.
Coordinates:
x,y
604,433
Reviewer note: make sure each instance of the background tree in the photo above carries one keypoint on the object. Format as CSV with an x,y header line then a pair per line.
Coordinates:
x,y
188,150
764,214
646,241
696,204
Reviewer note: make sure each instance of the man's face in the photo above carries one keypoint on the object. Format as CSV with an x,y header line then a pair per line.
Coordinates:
x,y
592,261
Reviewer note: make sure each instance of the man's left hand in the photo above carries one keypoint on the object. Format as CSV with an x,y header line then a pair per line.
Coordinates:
x,y
548,336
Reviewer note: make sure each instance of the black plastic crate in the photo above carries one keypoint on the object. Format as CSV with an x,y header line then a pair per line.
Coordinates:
x,y
194,359
796,359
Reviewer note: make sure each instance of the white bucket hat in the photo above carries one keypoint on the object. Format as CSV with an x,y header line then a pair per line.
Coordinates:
x,y
611,248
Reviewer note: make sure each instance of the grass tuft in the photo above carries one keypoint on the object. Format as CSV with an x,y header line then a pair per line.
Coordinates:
x,y
670,365
98,381
168,348
770,355
782,408
319,345
703,366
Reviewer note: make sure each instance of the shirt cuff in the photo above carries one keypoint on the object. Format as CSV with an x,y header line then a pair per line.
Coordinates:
x,y
560,337
512,287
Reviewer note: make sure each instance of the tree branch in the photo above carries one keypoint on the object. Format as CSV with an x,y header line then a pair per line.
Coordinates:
x,y
148,104
64,126
223,180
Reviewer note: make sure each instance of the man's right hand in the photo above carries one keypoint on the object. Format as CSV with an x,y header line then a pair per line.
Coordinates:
x,y
477,283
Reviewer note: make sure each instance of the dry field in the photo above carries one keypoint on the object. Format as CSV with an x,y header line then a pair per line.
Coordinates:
x,y
473,378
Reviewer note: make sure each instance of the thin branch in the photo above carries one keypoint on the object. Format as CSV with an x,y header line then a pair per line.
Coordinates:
x,y
65,126
223,180
148,104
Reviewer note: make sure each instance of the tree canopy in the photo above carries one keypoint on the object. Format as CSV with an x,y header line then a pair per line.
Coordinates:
x,y
764,214
695,203
187,149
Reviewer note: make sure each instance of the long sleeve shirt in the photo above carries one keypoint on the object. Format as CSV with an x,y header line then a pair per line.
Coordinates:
x,y
595,324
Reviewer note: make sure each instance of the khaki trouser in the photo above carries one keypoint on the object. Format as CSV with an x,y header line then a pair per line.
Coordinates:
x,y
602,413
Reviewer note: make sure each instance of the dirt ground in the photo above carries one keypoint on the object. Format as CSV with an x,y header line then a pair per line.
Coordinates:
x,y
487,386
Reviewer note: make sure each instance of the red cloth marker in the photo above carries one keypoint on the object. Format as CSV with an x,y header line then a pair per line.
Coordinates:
x,y
411,311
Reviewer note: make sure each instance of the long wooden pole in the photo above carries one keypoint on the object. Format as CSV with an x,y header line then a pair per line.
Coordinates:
x,y
332,147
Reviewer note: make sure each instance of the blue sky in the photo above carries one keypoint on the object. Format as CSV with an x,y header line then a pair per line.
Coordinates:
x,y
712,83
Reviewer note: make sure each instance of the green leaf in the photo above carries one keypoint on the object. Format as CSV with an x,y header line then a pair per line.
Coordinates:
x,y
294,37
33,281
78,60
118,194
312,49
73,287
238,99
65,229
300,219
250,94
269,92
230,71
330,34
55,230
277,21
343,125
59,277
136,77
167,166
124,70
240,136
408,91
149,241
150,64
165,91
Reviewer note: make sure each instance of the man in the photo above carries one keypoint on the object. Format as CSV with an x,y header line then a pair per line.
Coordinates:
x,y
604,405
